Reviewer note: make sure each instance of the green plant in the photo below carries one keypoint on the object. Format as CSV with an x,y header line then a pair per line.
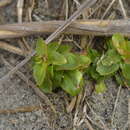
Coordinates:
x,y
56,66
114,62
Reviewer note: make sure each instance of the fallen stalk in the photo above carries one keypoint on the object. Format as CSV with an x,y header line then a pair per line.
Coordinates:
x,y
20,109
4,2
94,27
10,48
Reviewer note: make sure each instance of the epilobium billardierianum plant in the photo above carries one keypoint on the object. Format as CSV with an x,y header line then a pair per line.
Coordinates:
x,y
54,65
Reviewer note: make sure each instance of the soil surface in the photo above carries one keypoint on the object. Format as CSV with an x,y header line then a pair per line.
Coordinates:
x,y
107,111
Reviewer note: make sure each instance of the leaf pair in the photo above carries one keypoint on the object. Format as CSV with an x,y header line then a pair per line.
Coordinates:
x,y
74,62
109,63
122,46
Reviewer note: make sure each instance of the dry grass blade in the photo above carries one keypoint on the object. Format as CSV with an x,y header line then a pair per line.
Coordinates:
x,y
10,48
72,104
4,2
88,125
115,106
20,109
129,113
123,9
20,4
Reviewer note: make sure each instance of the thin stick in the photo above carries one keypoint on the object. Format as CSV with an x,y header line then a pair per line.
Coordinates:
x,y
4,2
10,48
20,10
103,125
110,5
20,109
123,9
115,106
88,125
128,113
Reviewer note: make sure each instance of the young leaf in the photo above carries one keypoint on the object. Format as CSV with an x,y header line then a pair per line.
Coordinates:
x,y
58,76
56,58
76,76
64,49
71,82
46,86
111,57
122,46
39,72
106,70
126,70
41,48
118,41
50,71
72,62
53,46
36,60
93,73
93,54
84,60
100,87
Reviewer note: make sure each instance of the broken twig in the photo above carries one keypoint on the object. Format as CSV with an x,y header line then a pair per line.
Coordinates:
x,y
20,109
4,2
10,48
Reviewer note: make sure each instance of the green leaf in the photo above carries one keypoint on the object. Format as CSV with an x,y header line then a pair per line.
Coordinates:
x,y
71,82
58,77
118,41
64,48
46,86
106,70
111,57
126,70
56,58
84,60
93,73
50,71
72,62
123,47
100,87
53,46
93,54
41,48
76,76
39,72
36,60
